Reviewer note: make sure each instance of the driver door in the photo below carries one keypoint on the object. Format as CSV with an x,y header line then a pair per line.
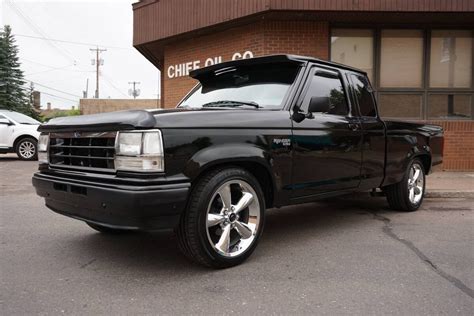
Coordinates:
x,y
327,152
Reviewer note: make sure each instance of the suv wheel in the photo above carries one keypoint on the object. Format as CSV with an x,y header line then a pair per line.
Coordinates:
x,y
26,149
224,219
408,194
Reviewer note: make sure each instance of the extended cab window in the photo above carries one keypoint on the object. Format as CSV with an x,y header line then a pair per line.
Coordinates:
x,y
363,95
330,86
259,86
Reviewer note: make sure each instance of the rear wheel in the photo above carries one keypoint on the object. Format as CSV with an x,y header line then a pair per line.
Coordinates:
x,y
26,149
408,194
224,219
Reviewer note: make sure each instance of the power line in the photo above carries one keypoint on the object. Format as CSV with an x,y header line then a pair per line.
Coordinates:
x,y
52,95
37,29
42,85
71,42
109,82
56,96
48,70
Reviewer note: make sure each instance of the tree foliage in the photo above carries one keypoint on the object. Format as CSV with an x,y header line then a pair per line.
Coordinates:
x,y
14,94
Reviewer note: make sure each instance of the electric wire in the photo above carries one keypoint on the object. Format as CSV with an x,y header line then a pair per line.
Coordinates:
x,y
72,42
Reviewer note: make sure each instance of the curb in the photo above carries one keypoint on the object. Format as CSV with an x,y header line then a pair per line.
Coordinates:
x,y
449,194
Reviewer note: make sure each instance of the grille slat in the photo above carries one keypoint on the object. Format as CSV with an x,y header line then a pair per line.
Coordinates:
x,y
93,151
86,157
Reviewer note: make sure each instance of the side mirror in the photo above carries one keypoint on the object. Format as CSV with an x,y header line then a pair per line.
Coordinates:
x,y
5,121
319,104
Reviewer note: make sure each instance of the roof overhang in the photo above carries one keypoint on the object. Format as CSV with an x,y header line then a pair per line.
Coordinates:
x,y
160,22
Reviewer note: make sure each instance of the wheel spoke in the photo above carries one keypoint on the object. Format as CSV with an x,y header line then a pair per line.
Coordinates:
x,y
243,229
416,175
412,195
244,202
226,196
224,241
214,219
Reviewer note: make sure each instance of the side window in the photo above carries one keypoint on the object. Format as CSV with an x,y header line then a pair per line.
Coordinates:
x,y
363,95
327,86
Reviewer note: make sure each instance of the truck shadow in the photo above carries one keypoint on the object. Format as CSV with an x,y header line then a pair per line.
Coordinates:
x,y
154,252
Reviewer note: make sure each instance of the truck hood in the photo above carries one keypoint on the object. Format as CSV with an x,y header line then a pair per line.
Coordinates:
x,y
121,120
170,118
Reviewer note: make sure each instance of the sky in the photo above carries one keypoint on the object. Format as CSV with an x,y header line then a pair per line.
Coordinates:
x,y
59,69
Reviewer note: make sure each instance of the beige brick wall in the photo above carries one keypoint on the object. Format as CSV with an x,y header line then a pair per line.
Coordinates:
x,y
93,106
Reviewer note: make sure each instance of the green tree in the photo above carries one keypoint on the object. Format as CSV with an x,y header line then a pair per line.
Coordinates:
x,y
14,94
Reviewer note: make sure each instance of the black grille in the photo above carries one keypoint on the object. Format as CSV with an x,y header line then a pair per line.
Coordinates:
x,y
82,150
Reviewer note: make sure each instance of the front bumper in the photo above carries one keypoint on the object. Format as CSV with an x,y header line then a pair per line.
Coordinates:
x,y
135,207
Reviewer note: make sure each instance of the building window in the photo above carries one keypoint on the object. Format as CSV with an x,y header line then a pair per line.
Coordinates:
x,y
401,59
354,47
400,105
449,106
417,74
451,59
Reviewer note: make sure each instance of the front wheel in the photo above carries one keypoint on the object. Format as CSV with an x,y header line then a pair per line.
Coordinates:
x,y
408,194
26,149
224,219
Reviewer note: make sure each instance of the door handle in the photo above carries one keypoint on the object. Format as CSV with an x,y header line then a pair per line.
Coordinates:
x,y
353,126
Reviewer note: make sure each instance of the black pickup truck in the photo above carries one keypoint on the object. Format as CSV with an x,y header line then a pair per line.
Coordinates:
x,y
253,134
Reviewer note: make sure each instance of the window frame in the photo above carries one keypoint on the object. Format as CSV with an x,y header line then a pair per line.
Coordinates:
x,y
355,99
425,90
310,74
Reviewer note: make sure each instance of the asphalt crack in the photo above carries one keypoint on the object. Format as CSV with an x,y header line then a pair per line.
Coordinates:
x,y
388,230
87,264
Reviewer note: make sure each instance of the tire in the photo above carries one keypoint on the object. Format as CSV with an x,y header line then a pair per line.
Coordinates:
x,y
408,194
107,230
224,219
27,149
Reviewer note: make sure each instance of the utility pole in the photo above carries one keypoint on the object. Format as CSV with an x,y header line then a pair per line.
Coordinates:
x,y
98,62
134,92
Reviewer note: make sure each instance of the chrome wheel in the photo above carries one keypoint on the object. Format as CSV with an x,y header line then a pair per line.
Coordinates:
x,y
27,149
233,218
415,183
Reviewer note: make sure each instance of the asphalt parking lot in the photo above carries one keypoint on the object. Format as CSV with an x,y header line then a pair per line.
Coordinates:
x,y
344,256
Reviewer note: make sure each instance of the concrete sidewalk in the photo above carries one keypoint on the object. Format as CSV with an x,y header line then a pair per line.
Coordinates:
x,y
446,184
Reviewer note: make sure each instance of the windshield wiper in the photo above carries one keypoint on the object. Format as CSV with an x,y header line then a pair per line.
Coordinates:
x,y
230,103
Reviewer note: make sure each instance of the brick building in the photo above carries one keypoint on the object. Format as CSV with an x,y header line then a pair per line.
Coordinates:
x,y
418,53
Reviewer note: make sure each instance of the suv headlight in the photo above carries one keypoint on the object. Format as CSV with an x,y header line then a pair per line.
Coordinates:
x,y
43,144
139,151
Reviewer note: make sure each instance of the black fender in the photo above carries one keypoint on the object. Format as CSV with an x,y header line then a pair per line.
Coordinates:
x,y
229,154
409,147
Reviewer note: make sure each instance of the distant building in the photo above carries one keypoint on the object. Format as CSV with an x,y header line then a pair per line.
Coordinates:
x,y
92,106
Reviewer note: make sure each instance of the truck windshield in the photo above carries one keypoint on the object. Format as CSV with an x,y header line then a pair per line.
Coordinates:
x,y
263,86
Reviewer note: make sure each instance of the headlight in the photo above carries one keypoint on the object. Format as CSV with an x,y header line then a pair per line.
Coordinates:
x,y
139,151
43,143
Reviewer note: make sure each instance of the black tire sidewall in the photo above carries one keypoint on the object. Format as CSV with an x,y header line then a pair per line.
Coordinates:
x,y
211,187
31,140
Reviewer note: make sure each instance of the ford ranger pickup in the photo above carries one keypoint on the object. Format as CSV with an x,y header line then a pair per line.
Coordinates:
x,y
252,134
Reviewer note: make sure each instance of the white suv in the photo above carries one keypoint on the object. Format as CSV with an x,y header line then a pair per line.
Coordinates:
x,y
18,133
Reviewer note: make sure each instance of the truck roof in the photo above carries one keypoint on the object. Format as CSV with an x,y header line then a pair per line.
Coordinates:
x,y
270,59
